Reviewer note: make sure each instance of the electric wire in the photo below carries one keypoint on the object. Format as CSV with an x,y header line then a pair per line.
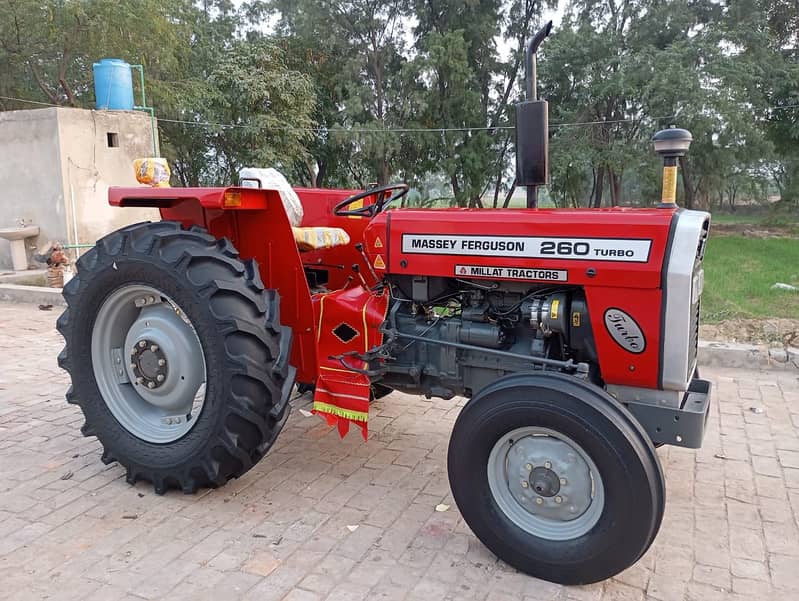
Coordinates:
x,y
376,130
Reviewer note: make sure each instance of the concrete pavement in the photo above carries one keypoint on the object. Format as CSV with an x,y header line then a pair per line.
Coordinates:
x,y
71,528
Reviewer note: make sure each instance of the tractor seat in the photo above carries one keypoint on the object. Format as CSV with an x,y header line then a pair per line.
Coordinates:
x,y
318,238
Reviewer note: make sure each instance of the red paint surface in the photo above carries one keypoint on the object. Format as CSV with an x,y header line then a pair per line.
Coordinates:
x,y
364,312
259,228
632,287
317,207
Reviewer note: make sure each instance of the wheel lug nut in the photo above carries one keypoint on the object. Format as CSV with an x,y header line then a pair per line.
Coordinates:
x,y
133,366
547,465
150,384
529,467
139,380
563,481
154,347
150,299
539,501
160,377
161,362
142,344
524,484
558,499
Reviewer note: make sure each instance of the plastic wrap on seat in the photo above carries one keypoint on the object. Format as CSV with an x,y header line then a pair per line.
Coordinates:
x,y
272,179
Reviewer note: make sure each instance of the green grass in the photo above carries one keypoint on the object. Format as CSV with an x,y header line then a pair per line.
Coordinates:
x,y
726,218
739,273
787,222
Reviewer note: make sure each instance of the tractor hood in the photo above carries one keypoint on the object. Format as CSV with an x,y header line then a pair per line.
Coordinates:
x,y
619,247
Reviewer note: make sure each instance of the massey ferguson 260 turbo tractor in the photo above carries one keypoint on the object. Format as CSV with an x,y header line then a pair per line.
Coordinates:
x,y
572,332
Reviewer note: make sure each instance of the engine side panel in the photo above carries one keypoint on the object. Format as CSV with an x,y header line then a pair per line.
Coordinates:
x,y
616,256
620,248
627,356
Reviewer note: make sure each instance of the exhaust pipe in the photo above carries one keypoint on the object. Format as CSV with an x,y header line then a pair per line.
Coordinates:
x,y
532,126
530,68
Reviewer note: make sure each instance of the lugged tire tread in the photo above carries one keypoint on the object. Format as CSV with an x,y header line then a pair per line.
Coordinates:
x,y
232,452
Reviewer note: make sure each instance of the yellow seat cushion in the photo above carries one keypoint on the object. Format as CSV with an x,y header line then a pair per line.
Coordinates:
x,y
318,238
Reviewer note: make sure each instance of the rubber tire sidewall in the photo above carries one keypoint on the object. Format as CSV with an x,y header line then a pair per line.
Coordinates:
x,y
118,440
246,352
630,471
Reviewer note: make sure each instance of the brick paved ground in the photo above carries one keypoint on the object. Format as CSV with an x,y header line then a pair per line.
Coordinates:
x,y
71,528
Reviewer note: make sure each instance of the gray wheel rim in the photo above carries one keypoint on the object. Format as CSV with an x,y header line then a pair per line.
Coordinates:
x,y
545,483
148,363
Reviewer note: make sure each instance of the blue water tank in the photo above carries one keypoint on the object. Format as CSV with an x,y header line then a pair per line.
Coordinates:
x,y
113,85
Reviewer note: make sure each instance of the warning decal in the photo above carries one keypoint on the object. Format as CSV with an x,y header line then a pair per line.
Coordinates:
x,y
512,273
379,263
378,242
630,250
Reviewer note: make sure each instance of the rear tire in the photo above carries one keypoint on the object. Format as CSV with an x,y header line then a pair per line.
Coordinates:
x,y
227,320
556,478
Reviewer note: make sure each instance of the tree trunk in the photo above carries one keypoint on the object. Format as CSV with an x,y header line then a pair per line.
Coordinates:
x,y
496,191
500,162
614,201
615,187
686,184
43,86
475,202
309,169
385,173
321,171
599,187
509,195
456,189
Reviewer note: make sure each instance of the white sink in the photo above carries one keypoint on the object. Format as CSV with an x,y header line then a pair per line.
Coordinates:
x,y
16,236
19,233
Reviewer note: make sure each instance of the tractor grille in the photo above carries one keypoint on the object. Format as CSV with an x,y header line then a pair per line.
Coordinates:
x,y
693,331
693,340
683,291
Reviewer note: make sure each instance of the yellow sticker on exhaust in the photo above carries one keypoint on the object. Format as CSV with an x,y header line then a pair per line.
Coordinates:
x,y
553,309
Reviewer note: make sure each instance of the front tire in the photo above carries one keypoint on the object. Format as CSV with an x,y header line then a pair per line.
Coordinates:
x,y
556,478
177,356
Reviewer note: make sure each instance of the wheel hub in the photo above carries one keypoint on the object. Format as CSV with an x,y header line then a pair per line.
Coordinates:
x,y
545,483
148,363
551,481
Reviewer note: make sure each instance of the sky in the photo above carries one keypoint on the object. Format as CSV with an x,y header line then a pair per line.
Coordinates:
x,y
555,15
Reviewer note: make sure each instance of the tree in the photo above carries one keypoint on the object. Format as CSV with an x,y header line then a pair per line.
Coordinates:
x,y
626,68
225,95
766,32
355,52
365,91
471,86
47,48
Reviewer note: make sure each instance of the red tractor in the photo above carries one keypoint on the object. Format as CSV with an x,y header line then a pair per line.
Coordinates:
x,y
572,332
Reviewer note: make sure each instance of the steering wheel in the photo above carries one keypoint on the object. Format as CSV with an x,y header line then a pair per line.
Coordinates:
x,y
385,196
